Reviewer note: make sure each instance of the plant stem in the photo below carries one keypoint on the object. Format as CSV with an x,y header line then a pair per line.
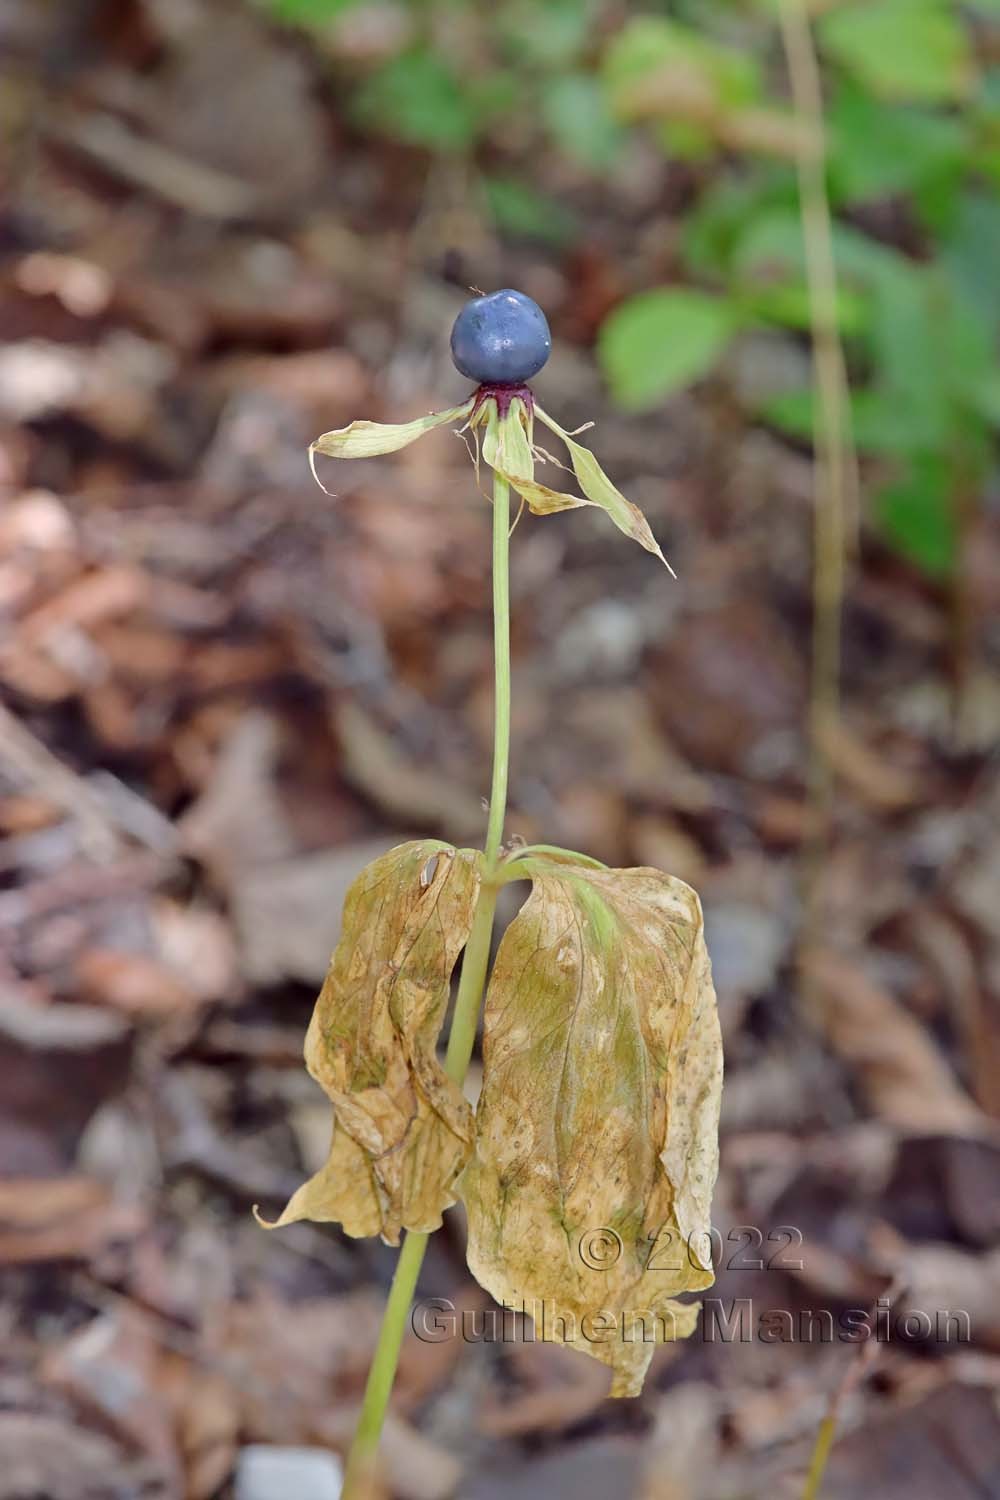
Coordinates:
x,y
501,667
382,1373
854,1374
820,1456
836,476
462,1038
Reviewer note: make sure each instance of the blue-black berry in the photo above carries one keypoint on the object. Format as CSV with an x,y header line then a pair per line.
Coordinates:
x,y
502,339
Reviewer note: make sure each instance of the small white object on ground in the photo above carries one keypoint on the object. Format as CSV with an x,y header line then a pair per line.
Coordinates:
x,y
266,1473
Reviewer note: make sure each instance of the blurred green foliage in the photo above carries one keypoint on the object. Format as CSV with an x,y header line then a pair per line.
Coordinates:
x,y
913,153
662,340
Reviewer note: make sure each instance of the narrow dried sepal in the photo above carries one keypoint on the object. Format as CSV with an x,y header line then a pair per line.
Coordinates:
x,y
599,491
507,448
589,1189
368,439
402,1130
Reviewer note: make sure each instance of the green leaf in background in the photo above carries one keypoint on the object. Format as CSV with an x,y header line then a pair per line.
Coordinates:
x,y
971,255
686,141
417,99
656,67
305,12
917,516
933,353
901,49
519,210
987,401
658,342
575,110
984,155
771,244
877,425
878,149
787,304
548,33
717,223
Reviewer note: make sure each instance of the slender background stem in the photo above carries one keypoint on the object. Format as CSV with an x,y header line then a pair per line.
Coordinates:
x,y
820,1457
836,478
837,516
464,1023
856,1372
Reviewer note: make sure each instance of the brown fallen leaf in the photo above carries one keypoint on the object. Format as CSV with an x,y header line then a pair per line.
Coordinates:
x,y
650,766
945,1445
298,1370
402,1130
287,913
410,1465
77,1054
104,594
27,813
662,843
55,1457
315,382
400,787
590,1187
591,1470
238,821
948,950
140,653
560,1391
60,1218
425,1368
294,1364
226,665
953,1294
886,787
417,1468
196,945
944,1283
206,1414
108,1369
682,1451
230,101
732,691
905,1078
22,753
132,983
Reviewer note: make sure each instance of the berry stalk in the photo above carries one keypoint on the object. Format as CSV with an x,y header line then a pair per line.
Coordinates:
x,y
378,1388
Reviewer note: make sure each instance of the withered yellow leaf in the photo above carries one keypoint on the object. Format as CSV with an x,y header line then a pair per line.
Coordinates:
x,y
598,490
589,1189
402,1130
368,439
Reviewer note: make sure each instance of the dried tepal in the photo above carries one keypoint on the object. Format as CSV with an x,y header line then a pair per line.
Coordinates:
x,y
588,1167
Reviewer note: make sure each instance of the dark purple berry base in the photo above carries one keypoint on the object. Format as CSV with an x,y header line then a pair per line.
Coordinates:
x,y
503,395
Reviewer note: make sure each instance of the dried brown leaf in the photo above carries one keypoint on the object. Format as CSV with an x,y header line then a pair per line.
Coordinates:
x,y
904,1076
59,1219
596,1150
402,1130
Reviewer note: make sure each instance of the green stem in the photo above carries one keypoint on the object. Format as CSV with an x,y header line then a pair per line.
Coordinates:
x,y
382,1373
501,668
462,1039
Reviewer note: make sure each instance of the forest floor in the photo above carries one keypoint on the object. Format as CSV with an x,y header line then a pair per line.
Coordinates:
x,y
223,692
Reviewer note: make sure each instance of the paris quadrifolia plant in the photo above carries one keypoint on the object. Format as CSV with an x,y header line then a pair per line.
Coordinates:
x,y
586,1169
